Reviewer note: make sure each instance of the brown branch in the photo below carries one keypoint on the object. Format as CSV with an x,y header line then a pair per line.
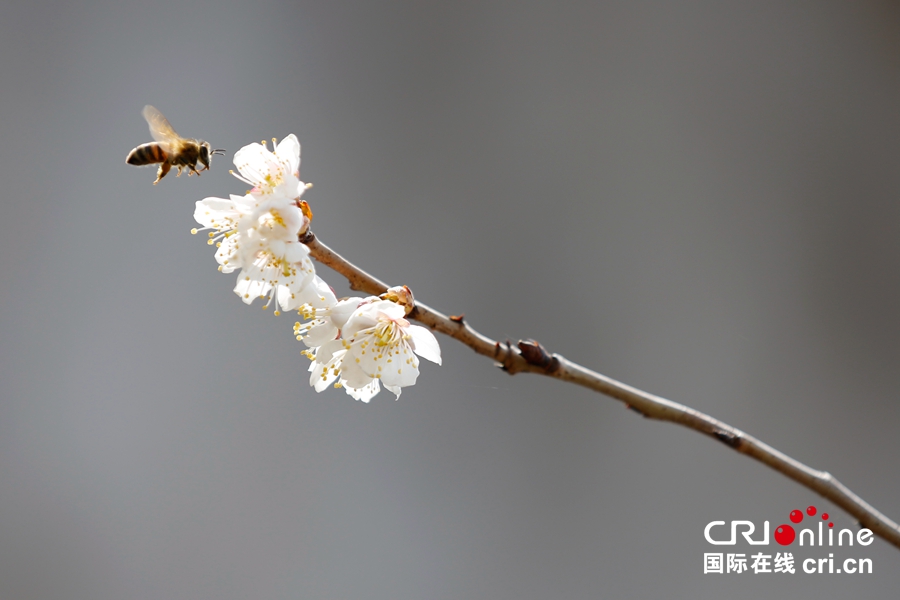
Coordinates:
x,y
530,357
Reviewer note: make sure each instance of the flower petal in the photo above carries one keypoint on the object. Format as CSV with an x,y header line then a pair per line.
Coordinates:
x,y
288,150
365,393
353,374
424,343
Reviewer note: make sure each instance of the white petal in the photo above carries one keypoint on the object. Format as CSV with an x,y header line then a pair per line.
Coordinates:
x,y
208,210
344,310
368,314
255,163
424,343
322,370
329,351
219,213
288,150
318,334
321,376
402,370
352,373
250,289
319,294
228,256
365,393
294,252
391,309
277,247
290,290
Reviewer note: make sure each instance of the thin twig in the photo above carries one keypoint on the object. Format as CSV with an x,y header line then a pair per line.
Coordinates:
x,y
531,357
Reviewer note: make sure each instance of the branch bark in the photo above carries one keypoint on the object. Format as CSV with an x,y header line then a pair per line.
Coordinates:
x,y
530,357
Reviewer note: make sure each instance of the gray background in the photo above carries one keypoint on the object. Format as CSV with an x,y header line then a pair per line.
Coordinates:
x,y
701,199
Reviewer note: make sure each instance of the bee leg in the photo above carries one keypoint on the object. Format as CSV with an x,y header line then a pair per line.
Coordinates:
x,y
163,169
178,174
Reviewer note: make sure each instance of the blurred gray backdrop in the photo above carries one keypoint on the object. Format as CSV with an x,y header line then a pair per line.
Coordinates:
x,y
701,199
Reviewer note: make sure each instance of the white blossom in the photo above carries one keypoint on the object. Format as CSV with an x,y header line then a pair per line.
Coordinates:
x,y
271,173
260,237
326,368
377,346
224,218
278,271
323,321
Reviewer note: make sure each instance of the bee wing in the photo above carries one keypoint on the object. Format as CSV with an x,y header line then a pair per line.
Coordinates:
x,y
160,128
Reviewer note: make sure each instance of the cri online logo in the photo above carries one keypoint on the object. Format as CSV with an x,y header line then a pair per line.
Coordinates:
x,y
785,534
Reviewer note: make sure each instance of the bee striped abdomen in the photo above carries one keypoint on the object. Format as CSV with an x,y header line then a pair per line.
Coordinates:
x,y
147,154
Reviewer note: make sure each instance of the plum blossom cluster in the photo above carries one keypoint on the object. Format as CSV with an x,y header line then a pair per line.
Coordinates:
x,y
363,343
358,344
257,234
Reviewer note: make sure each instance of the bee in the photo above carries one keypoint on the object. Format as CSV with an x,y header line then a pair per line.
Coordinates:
x,y
170,149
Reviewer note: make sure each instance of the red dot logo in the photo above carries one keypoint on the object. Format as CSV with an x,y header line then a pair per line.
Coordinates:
x,y
784,535
831,524
824,516
811,511
796,516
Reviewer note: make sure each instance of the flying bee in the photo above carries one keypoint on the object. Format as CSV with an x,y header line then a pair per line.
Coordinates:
x,y
170,149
